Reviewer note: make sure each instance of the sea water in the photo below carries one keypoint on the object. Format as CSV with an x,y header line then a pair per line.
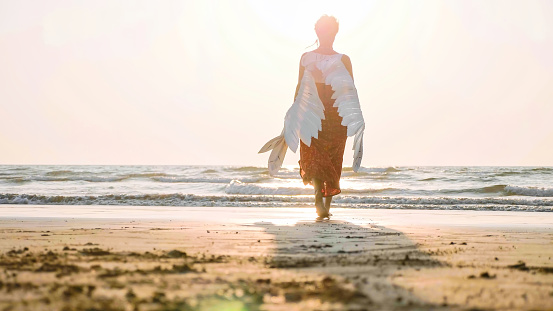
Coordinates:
x,y
464,188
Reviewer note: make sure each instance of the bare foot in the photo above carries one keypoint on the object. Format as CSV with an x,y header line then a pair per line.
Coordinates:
x,y
319,204
321,209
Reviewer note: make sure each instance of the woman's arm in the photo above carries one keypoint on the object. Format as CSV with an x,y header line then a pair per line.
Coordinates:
x,y
347,63
300,76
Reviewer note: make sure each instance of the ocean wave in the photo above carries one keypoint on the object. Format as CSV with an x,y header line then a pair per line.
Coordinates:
x,y
15,180
193,180
543,169
529,191
146,175
288,174
242,187
492,189
158,177
508,174
66,175
177,199
237,187
373,169
509,190
499,190
93,178
429,179
439,201
74,178
246,169
370,191
61,172
523,172
206,180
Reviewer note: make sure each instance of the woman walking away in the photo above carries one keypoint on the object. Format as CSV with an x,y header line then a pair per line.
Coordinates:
x,y
325,112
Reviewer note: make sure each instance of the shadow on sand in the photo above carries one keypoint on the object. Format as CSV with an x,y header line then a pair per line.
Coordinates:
x,y
342,265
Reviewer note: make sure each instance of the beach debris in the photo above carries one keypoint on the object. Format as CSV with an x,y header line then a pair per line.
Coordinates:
x,y
18,251
176,254
354,237
61,269
521,265
292,297
94,252
184,268
545,269
130,295
483,275
73,290
487,275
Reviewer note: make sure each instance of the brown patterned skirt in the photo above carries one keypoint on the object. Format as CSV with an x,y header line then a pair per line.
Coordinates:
x,y
323,159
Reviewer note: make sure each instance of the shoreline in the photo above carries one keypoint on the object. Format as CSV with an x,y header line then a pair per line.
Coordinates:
x,y
200,258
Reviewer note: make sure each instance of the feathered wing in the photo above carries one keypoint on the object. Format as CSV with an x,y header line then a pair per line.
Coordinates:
x,y
347,102
302,122
358,150
279,147
271,144
303,119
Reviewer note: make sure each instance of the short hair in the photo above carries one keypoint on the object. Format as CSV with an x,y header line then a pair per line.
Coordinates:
x,y
327,25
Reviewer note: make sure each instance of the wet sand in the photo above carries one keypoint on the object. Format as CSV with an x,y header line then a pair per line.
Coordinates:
x,y
224,258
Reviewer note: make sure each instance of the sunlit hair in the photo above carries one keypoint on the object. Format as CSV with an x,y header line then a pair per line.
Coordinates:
x,y
326,25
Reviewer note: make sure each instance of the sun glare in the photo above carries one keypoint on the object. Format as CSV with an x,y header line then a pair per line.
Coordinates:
x,y
296,19
100,80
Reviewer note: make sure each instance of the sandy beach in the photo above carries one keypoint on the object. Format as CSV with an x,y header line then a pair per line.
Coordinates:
x,y
225,258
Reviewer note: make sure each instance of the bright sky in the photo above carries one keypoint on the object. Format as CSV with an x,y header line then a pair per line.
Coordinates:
x,y
465,82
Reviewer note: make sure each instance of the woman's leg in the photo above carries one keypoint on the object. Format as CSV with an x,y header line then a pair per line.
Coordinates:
x,y
328,200
321,211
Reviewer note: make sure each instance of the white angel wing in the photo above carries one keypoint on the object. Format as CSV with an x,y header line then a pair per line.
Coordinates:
x,y
271,144
279,147
358,150
303,119
347,102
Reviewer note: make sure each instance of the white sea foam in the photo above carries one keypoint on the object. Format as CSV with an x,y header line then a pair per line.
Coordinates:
x,y
77,178
203,180
237,187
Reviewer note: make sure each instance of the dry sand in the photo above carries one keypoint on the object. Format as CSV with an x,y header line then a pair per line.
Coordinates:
x,y
222,258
